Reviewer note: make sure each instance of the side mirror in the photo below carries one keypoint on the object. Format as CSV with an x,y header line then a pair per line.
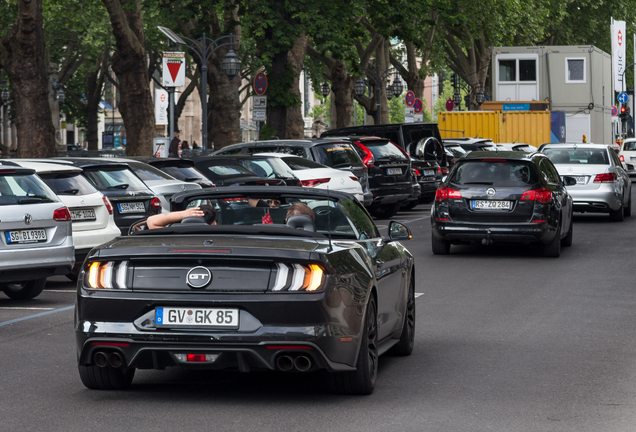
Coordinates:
x,y
399,231
569,181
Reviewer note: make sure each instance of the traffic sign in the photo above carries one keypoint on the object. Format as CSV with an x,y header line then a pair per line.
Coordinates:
x,y
259,115
418,106
260,83
614,111
622,97
450,105
174,67
409,98
260,102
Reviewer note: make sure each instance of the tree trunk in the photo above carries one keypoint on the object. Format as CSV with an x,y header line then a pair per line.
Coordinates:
x,y
295,125
342,89
224,107
22,56
129,64
277,114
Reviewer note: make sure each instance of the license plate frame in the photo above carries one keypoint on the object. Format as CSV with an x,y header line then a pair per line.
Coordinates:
x,y
632,158
198,318
131,207
429,172
83,215
394,171
496,205
41,236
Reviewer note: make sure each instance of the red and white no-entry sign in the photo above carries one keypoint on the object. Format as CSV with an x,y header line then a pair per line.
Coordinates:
x,y
174,66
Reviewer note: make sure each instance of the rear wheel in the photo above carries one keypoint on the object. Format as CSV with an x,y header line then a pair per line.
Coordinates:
x,y
106,378
618,215
553,249
362,380
24,290
440,247
387,211
407,339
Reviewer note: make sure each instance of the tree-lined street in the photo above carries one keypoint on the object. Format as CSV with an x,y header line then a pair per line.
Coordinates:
x,y
505,340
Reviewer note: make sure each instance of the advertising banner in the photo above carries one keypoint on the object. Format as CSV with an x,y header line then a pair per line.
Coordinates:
x,y
619,61
161,107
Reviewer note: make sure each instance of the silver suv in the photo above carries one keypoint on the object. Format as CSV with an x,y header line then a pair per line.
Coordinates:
x,y
35,233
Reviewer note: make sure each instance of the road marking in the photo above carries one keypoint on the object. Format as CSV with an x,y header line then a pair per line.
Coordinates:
x,y
36,315
418,294
25,308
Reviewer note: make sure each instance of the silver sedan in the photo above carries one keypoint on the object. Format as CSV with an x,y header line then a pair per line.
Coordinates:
x,y
602,185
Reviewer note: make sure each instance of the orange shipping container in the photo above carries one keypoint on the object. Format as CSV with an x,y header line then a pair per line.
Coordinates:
x,y
530,127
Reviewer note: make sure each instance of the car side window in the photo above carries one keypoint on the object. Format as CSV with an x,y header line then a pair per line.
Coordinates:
x,y
363,223
547,173
554,172
615,158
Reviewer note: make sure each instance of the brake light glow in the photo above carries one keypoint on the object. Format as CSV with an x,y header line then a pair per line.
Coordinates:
x,y
107,275
417,172
108,205
605,178
442,219
443,193
314,182
196,358
539,221
543,196
368,159
155,203
62,214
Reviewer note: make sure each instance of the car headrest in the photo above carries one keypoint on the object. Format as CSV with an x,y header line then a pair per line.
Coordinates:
x,y
303,222
194,220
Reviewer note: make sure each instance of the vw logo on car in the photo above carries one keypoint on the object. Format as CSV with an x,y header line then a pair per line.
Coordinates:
x,y
491,192
28,219
199,277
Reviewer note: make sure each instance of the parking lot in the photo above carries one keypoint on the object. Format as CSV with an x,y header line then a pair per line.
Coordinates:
x,y
505,340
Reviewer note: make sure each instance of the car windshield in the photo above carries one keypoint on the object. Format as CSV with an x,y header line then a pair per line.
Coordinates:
x,y
337,155
385,150
185,173
148,172
298,163
579,156
68,183
500,173
343,218
115,178
24,189
227,169
267,167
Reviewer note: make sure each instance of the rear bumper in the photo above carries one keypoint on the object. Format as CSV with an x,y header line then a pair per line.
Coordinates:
x,y
391,195
36,263
497,233
429,187
91,238
602,199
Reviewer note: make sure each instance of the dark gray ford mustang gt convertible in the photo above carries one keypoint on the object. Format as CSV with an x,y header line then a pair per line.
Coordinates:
x,y
260,290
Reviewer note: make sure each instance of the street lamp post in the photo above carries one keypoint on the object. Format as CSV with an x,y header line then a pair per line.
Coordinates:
x,y
394,89
204,48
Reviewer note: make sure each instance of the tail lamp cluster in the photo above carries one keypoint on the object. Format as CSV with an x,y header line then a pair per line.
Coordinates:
x,y
443,193
368,159
62,215
543,196
156,203
606,178
106,275
297,277
314,182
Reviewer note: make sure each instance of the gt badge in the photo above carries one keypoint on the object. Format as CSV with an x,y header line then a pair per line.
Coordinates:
x,y
199,277
491,192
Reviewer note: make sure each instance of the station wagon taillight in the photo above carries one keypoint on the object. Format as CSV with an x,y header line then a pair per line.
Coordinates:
x,y
108,205
368,160
314,182
443,193
155,203
61,215
605,178
543,196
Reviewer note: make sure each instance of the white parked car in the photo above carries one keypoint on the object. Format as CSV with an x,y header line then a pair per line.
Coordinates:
x,y
522,147
91,212
313,174
159,182
627,155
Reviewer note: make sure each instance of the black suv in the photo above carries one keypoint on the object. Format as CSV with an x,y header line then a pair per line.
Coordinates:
x,y
503,197
181,169
331,152
131,198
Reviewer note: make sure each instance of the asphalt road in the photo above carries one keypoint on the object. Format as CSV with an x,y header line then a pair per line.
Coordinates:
x,y
506,341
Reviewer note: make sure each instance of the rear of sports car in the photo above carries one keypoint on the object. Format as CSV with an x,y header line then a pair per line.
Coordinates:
x,y
225,302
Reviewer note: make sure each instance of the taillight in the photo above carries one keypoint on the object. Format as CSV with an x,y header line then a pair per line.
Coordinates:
x,y
155,203
106,275
622,158
543,196
605,178
314,182
444,171
368,158
296,277
439,170
443,193
62,214
417,172
107,204
355,179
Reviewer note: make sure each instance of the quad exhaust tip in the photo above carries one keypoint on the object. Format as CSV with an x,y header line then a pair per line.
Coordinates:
x,y
302,363
102,359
